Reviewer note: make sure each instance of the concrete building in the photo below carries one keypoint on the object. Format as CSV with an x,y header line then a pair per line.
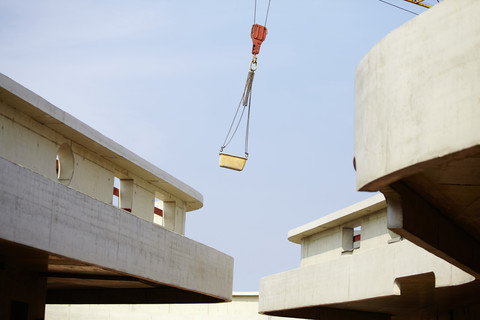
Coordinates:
x,y
244,306
417,140
77,215
417,137
353,267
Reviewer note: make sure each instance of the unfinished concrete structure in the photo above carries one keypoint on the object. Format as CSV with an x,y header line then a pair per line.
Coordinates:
x,y
353,267
64,239
417,137
417,140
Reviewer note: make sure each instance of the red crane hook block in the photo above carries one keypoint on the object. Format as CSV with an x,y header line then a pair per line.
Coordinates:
x,y
258,34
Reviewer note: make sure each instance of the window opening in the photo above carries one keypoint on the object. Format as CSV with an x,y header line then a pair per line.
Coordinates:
x,y
357,234
158,212
64,164
116,191
351,239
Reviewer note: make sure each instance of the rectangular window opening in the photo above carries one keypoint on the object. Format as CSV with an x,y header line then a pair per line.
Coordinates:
x,y
116,191
158,212
351,239
357,234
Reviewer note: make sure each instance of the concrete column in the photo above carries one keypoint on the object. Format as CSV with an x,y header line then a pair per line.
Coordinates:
x,y
136,199
125,198
143,203
347,239
174,216
23,294
419,221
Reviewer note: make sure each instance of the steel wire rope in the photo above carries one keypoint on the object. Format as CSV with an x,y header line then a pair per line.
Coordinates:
x,y
246,96
248,122
225,143
255,13
391,4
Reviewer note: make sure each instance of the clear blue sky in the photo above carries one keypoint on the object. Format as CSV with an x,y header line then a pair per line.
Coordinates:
x,y
163,79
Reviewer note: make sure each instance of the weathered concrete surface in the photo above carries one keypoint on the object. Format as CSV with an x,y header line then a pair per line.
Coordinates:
x,y
85,248
385,276
417,137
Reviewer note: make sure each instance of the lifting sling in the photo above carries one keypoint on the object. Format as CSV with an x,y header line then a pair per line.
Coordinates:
x,y
258,35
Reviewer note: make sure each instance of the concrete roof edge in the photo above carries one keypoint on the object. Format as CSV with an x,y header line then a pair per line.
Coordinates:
x,y
245,293
352,212
196,199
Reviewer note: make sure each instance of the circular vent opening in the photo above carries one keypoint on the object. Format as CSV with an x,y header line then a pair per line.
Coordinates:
x,y
65,164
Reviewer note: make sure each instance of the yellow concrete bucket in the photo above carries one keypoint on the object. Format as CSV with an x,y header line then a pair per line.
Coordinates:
x,y
232,162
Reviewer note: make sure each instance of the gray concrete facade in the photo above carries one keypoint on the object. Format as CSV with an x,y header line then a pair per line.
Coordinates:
x,y
62,237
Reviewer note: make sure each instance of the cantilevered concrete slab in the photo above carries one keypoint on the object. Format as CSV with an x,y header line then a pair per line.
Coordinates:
x,y
417,137
62,237
353,267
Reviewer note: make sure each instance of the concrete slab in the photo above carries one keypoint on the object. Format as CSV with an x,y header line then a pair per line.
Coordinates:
x,y
86,248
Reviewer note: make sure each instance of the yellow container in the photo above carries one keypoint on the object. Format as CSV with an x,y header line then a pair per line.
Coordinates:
x,y
232,162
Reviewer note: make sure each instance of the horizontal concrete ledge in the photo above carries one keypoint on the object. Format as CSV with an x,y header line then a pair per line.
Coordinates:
x,y
350,213
245,294
58,120
39,213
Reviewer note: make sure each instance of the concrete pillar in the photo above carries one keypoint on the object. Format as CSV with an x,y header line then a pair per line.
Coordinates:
x,y
136,199
420,222
347,239
174,216
23,294
125,198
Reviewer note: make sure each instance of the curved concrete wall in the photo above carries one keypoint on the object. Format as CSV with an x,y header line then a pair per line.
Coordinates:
x,y
417,94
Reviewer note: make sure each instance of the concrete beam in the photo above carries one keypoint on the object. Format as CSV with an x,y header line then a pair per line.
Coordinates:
x,y
420,222
47,216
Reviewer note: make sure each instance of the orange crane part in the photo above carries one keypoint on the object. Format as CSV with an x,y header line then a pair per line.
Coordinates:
x,y
258,34
419,2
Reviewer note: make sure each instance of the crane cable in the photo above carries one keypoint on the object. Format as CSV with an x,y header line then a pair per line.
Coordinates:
x,y
398,7
258,34
255,13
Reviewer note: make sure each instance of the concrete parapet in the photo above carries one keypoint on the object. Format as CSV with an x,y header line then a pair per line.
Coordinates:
x,y
87,244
